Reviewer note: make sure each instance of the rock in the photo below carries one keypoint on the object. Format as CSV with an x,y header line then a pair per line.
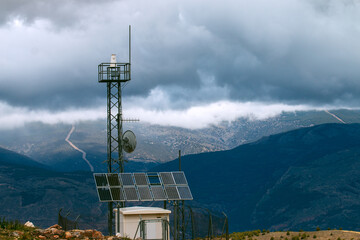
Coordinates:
x,y
57,226
57,231
41,237
88,233
68,235
114,238
15,234
29,224
56,236
77,233
97,235
54,231
39,230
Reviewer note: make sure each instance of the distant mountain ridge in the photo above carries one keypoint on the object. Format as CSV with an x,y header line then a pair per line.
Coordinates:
x,y
299,179
12,158
156,144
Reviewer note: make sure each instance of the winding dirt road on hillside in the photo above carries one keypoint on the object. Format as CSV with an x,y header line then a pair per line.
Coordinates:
x,y
78,149
336,117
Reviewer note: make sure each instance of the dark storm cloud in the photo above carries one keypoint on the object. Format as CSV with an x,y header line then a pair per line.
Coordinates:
x,y
188,52
282,51
63,13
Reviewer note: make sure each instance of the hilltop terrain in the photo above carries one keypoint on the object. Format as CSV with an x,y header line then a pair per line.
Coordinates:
x,y
297,235
56,232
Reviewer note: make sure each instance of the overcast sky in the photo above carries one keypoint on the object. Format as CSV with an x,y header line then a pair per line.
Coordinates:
x,y
193,61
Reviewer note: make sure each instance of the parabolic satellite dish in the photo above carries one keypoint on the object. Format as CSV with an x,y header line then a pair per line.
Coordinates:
x,y
129,141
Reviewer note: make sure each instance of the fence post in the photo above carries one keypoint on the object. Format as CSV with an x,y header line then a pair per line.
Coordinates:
x,y
210,230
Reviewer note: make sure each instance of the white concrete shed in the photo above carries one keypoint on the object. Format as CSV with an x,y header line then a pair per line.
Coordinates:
x,y
154,222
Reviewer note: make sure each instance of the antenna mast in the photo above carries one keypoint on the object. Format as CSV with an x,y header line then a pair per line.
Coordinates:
x,y
116,74
130,44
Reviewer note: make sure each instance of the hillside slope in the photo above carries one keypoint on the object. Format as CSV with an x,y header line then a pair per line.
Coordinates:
x,y
299,179
28,191
12,158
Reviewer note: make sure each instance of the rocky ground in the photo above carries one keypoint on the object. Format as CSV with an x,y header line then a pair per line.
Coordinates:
x,y
53,232
56,232
302,235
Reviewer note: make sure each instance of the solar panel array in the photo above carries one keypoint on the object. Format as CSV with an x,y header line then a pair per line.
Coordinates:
x,y
123,187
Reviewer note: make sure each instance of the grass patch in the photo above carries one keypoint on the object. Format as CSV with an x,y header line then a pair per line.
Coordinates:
x,y
11,225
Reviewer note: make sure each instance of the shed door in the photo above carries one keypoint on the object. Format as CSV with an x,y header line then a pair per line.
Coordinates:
x,y
153,230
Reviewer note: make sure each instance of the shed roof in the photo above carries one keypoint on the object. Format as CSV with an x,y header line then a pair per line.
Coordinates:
x,y
143,210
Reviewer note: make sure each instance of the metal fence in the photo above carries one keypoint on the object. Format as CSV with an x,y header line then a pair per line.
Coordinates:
x,y
191,223
66,223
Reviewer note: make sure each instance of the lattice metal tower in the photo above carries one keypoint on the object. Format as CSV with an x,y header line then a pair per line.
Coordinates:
x,y
115,75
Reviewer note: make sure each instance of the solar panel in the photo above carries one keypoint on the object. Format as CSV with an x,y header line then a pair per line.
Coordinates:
x,y
172,193
144,193
167,178
100,179
113,179
179,178
154,179
158,193
131,194
117,194
159,186
141,179
126,179
104,194
184,192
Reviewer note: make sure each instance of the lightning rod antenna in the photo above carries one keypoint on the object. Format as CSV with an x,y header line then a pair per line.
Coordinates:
x,y
130,44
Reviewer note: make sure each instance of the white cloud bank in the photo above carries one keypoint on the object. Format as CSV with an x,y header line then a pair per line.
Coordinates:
x,y
193,118
13,117
213,113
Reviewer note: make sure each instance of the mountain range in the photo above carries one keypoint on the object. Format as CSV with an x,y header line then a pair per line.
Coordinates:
x,y
156,144
299,179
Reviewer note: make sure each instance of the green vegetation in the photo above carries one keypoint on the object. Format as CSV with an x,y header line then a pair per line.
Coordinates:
x,y
8,226
289,235
244,235
295,238
11,225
